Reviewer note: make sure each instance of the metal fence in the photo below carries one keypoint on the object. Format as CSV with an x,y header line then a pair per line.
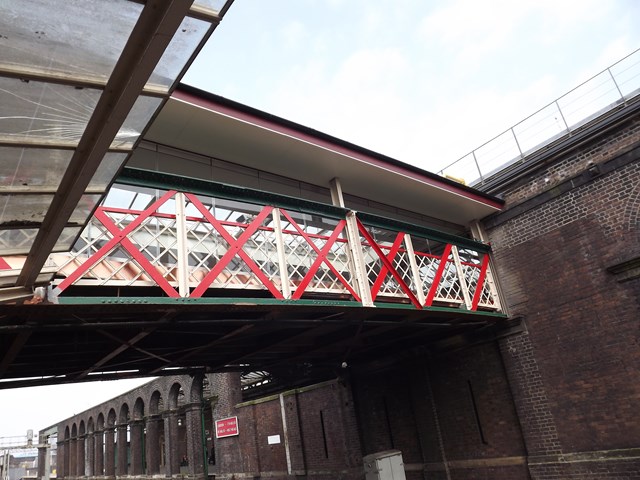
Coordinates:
x,y
610,88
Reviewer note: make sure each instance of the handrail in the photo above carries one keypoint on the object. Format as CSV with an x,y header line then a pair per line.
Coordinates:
x,y
612,87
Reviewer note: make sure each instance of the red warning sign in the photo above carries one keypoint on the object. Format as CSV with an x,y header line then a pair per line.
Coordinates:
x,y
227,427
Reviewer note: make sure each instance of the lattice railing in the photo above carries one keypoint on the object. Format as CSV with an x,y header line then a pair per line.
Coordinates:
x,y
192,246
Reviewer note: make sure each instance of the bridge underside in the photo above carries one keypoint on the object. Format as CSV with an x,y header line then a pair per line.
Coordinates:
x,y
102,339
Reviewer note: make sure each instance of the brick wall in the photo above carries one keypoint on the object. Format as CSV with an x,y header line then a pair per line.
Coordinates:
x,y
452,416
575,370
321,433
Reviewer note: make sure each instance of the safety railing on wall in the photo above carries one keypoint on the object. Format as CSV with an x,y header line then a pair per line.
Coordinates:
x,y
195,245
609,89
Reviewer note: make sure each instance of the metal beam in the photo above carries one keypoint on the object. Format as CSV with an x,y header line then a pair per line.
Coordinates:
x,y
13,351
206,346
280,343
22,72
58,144
158,22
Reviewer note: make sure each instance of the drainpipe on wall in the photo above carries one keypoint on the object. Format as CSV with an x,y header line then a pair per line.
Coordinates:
x,y
286,434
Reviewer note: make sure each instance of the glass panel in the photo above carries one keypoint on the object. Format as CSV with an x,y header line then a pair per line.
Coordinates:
x,y
32,110
84,208
66,36
67,239
181,47
23,210
32,167
17,242
136,121
108,168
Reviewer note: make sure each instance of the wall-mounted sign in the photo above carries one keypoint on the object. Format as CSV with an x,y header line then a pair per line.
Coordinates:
x,y
227,427
273,439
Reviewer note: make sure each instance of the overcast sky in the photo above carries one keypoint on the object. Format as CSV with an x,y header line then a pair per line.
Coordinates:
x,y
422,81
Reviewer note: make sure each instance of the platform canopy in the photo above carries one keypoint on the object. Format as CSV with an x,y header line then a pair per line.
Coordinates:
x,y
79,82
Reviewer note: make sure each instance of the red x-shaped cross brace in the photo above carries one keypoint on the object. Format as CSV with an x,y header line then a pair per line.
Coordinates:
x,y
121,237
321,257
387,264
235,248
480,284
393,251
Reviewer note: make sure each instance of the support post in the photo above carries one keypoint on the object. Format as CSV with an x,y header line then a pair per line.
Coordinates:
x,y
415,272
285,286
359,270
183,254
463,282
336,192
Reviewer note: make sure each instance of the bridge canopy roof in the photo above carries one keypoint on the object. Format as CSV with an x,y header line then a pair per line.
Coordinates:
x,y
204,123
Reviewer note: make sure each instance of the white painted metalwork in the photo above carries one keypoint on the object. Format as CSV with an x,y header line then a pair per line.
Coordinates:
x,y
358,260
282,258
188,245
461,277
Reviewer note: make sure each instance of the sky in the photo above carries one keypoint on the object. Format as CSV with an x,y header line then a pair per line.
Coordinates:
x,y
422,81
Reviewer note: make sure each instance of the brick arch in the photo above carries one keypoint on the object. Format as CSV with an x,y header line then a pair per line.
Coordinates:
x,y
123,416
138,409
66,433
195,393
81,428
155,403
111,418
90,425
100,422
176,396
74,430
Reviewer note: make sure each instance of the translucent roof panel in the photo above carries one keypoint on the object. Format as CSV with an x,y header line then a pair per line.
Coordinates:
x,y
77,37
136,121
43,112
107,170
187,38
32,168
70,72
17,241
24,210
67,239
84,208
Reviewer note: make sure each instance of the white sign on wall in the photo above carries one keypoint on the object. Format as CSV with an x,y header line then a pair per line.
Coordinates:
x,y
273,439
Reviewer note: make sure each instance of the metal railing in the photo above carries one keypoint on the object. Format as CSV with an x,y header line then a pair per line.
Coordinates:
x,y
192,245
610,88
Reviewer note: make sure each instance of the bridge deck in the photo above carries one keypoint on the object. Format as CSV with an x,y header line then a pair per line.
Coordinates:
x,y
100,338
203,275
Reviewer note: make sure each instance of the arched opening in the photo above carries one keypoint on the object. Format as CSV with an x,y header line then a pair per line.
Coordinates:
x,y
109,445
122,441
137,439
73,451
65,453
98,466
154,437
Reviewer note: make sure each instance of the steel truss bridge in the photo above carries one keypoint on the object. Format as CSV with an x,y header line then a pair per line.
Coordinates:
x,y
174,275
